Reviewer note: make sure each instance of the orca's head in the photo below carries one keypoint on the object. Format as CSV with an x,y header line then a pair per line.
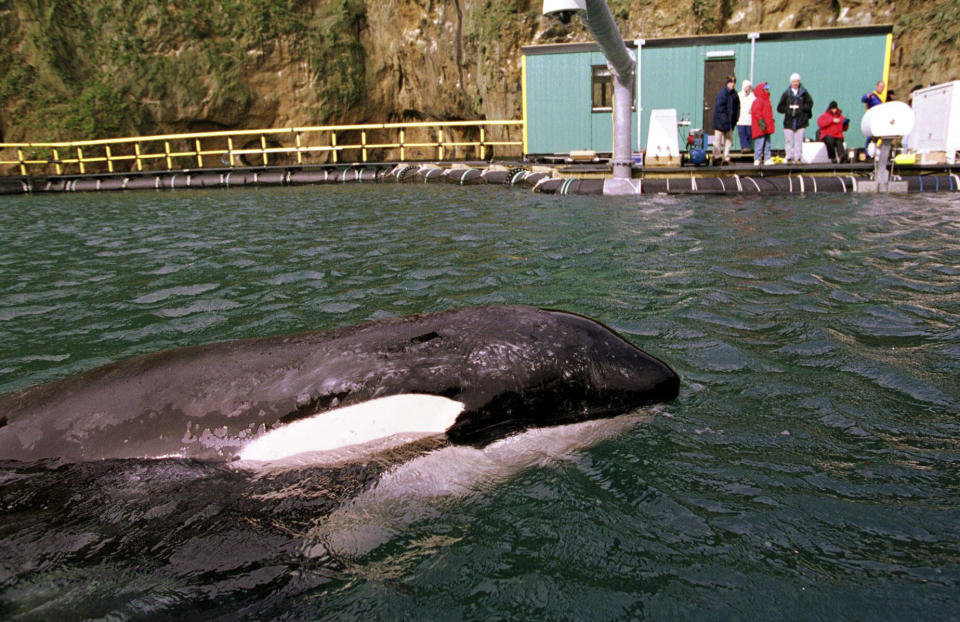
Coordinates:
x,y
563,368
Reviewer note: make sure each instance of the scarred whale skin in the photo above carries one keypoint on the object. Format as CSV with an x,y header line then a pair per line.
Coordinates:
x,y
513,367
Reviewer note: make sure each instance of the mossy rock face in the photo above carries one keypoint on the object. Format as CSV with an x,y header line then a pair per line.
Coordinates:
x,y
928,36
108,68
336,56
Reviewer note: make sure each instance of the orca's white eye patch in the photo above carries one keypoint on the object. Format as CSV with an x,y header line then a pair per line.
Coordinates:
x,y
352,425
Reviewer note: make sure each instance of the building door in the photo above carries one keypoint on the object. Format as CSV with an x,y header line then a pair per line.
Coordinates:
x,y
715,74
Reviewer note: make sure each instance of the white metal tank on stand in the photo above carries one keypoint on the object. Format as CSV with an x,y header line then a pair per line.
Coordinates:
x,y
886,122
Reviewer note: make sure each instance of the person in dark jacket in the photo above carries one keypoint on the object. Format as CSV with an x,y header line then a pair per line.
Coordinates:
x,y
832,126
726,113
762,125
796,105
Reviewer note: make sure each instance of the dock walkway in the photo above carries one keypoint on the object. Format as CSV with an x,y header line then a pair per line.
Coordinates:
x,y
562,179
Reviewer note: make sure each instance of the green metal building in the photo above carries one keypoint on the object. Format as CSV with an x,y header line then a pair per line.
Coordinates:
x,y
567,89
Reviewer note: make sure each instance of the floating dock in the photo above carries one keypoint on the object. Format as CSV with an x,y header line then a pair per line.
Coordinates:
x,y
556,179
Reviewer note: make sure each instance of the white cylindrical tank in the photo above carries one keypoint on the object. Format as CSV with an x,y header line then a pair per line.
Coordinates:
x,y
887,120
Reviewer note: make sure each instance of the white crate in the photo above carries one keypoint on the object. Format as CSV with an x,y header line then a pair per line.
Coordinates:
x,y
814,153
937,110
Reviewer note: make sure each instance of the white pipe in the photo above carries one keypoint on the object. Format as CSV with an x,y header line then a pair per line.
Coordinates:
x,y
753,36
639,43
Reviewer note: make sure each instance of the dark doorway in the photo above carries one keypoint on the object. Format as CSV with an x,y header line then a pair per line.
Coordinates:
x,y
715,74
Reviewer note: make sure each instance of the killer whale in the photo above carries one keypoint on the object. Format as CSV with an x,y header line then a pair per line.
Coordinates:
x,y
481,372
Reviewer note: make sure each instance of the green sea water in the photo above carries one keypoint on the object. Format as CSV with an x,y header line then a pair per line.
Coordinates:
x,y
809,469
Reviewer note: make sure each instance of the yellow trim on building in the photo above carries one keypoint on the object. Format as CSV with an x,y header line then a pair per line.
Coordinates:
x,y
523,99
886,66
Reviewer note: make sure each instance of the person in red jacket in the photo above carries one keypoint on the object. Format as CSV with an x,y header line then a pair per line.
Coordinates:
x,y
832,126
763,126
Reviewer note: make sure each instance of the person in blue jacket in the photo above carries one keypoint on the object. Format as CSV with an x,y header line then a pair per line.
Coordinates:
x,y
875,97
871,99
726,113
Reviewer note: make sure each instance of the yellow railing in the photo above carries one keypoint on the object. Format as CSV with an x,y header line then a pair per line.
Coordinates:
x,y
437,140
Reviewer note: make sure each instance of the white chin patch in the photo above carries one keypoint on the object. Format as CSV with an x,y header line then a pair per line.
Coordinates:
x,y
421,489
408,414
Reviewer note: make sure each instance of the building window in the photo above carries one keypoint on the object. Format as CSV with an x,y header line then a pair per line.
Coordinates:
x,y
601,89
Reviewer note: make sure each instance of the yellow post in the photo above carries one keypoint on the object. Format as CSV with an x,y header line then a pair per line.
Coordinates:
x,y
230,148
83,169
523,99
136,150
263,148
109,159
56,162
23,167
402,158
363,143
166,150
333,143
888,53
299,146
440,143
483,148
199,154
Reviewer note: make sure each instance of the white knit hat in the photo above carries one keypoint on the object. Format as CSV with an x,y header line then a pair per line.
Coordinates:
x,y
794,76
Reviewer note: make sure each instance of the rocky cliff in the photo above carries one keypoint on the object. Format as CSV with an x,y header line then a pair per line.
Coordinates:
x,y
105,68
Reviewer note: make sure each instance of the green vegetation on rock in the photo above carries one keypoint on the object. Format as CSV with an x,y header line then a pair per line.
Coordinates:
x,y
108,68
113,67
334,50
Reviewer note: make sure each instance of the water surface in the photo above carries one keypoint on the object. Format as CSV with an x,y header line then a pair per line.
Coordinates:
x,y
810,468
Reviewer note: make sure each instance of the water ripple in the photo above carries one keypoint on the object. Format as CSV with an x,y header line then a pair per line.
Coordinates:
x,y
164,294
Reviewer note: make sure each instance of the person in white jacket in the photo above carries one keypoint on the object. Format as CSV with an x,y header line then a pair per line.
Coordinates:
x,y
744,123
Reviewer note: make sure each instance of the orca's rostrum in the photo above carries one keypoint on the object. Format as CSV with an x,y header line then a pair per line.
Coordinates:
x,y
474,374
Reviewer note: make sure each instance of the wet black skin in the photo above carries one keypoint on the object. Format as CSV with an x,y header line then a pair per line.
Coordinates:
x,y
513,367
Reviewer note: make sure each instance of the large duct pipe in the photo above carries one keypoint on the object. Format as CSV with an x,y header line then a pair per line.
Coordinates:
x,y
599,21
